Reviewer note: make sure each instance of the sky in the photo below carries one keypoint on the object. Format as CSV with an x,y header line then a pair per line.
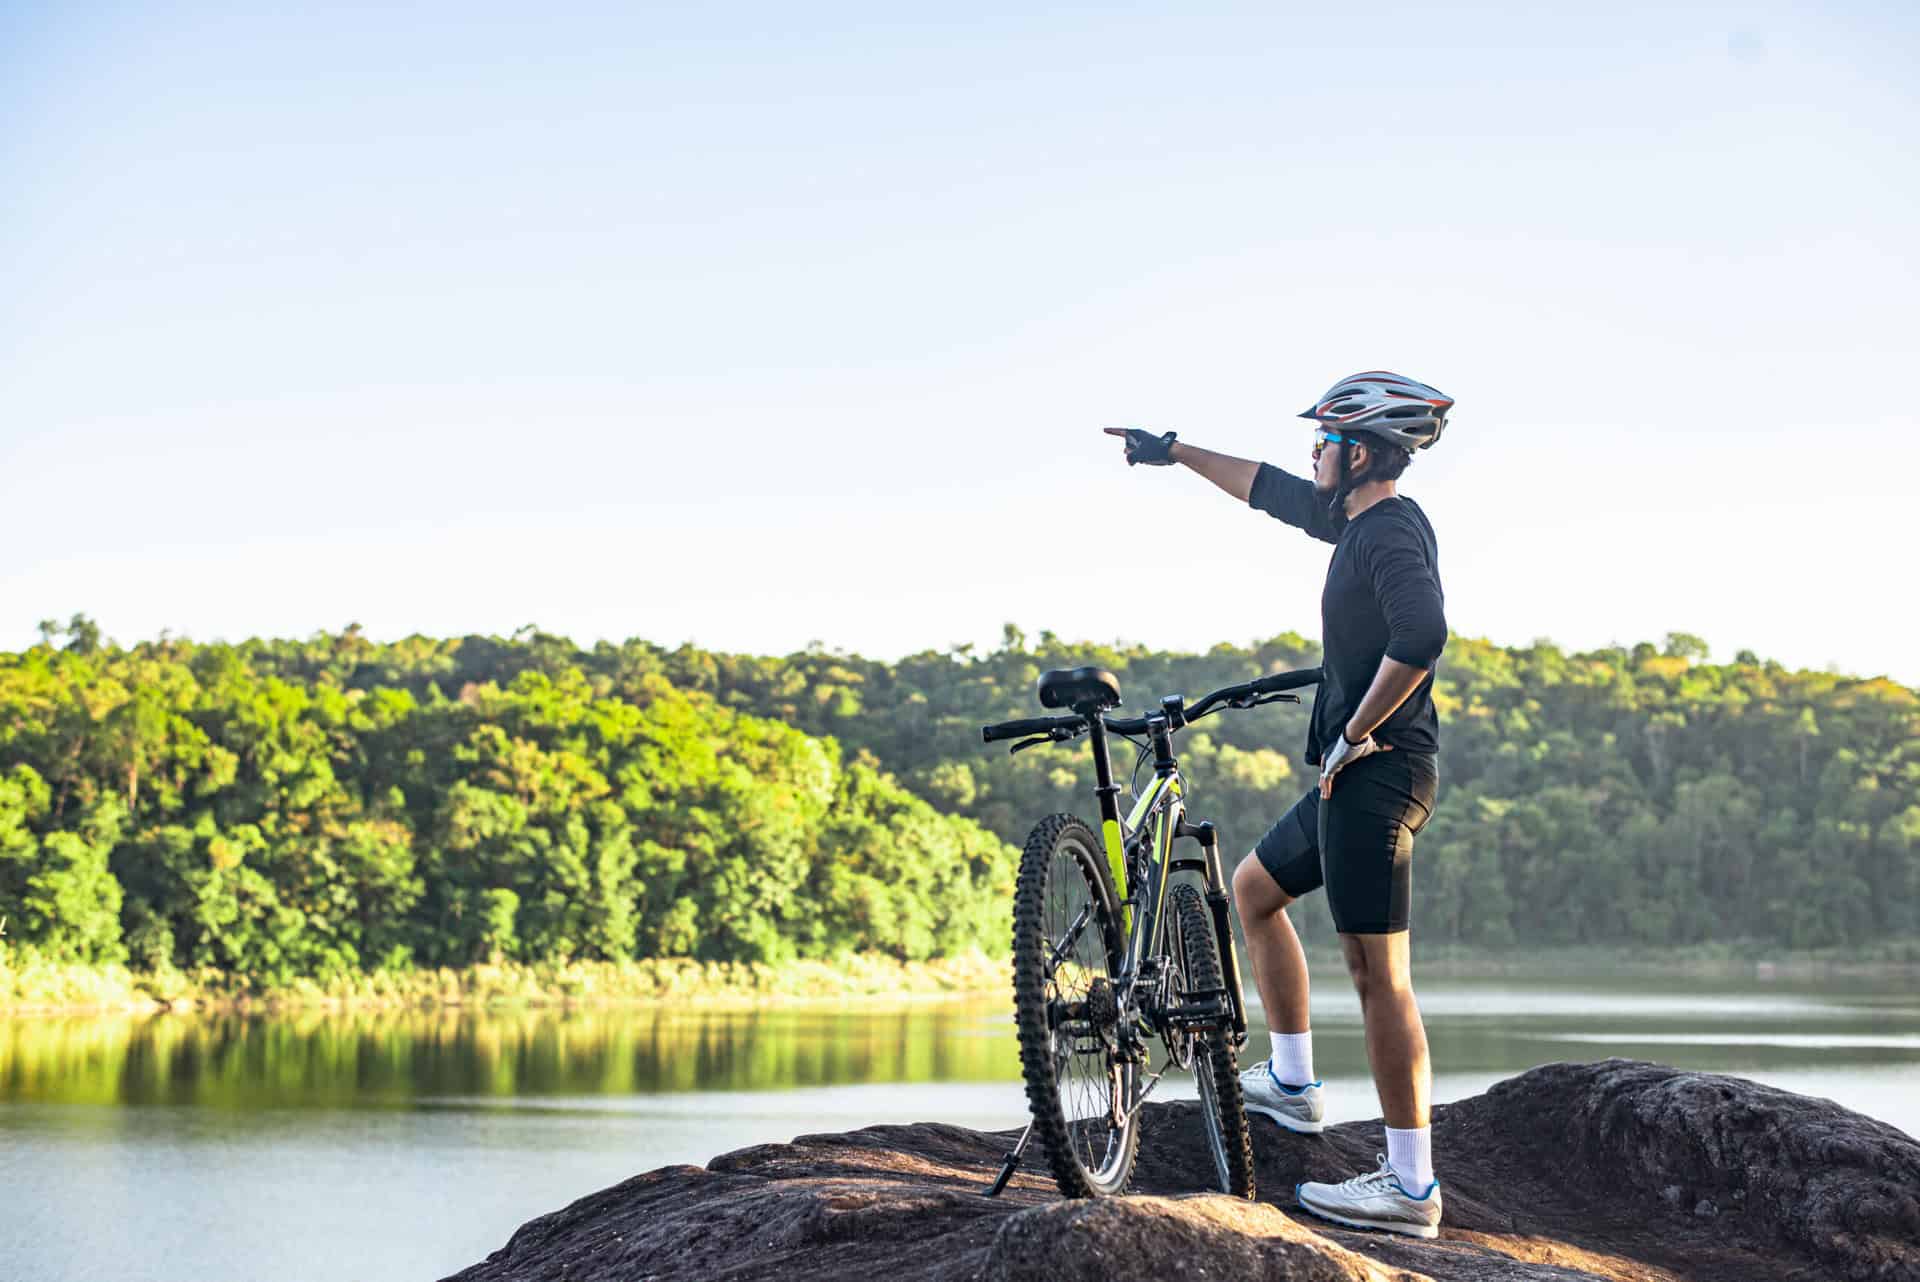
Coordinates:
x,y
757,325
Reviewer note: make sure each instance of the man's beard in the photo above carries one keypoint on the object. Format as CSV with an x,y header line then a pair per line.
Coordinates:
x,y
1343,477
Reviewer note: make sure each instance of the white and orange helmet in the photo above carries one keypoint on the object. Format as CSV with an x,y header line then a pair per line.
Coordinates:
x,y
1409,414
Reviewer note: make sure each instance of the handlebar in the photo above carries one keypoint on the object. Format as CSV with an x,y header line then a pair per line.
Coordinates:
x,y
1287,680
1033,725
1267,689
1256,688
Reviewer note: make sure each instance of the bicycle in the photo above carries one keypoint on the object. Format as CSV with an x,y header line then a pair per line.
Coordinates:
x,y
1100,964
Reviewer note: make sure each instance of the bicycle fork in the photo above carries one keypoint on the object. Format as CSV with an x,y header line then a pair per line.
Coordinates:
x,y
1209,839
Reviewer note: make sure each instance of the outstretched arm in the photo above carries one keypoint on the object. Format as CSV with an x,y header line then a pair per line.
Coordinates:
x,y
1234,475
1274,491
1286,497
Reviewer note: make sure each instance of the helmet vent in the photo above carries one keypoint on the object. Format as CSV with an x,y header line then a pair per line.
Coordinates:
x,y
1409,413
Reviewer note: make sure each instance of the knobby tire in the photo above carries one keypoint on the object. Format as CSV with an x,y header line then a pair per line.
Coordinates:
x,y
1225,1113
1064,838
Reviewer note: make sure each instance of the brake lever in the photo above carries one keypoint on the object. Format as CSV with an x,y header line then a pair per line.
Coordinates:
x,y
1255,701
1061,735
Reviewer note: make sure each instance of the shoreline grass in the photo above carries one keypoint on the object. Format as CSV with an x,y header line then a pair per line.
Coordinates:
x,y
30,984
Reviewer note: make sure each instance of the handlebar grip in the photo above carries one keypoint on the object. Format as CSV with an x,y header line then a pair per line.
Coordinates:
x,y
1286,681
1015,729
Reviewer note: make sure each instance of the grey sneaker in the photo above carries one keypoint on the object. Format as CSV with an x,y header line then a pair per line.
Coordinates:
x,y
1296,1109
1374,1201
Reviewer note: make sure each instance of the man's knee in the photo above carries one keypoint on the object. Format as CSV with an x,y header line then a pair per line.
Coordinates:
x,y
1356,960
1255,890
1377,967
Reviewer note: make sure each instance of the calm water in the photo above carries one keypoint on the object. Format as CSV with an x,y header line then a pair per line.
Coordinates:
x,y
406,1146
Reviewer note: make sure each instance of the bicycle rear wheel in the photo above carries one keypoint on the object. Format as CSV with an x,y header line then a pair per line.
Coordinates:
x,y
1066,935
1223,1109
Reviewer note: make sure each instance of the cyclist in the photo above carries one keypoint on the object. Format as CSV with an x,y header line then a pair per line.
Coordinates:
x,y
1374,735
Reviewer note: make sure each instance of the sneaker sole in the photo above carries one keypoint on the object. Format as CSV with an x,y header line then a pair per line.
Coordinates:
x,y
1402,1227
1289,1122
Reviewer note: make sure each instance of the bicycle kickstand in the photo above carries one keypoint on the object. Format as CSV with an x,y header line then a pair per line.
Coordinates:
x,y
1013,1160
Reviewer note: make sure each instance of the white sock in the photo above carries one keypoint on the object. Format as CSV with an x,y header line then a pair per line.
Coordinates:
x,y
1292,1058
1410,1153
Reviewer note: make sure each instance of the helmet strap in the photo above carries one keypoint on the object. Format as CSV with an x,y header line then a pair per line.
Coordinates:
x,y
1344,483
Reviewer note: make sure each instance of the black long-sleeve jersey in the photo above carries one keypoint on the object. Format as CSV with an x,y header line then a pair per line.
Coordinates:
x,y
1382,598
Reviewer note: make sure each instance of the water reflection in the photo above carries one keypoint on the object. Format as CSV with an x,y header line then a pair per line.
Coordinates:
x,y
389,1059
361,1060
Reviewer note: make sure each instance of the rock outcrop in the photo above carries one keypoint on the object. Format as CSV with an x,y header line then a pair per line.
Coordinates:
x,y
1616,1170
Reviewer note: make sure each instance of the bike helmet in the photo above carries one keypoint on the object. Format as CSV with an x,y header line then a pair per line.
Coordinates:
x,y
1409,414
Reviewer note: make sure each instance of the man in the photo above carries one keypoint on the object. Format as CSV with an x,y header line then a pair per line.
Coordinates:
x,y
1375,736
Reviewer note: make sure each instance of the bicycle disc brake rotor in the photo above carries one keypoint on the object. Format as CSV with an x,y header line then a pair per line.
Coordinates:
x,y
1178,1038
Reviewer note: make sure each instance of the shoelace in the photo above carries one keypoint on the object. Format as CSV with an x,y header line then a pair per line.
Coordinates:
x,y
1379,1181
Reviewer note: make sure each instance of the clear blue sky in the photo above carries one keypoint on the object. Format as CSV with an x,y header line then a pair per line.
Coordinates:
x,y
753,324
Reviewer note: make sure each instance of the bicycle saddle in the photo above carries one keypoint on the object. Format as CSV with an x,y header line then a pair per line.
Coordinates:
x,y
1076,687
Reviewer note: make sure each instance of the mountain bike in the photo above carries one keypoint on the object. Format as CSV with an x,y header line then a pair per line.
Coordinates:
x,y
1109,953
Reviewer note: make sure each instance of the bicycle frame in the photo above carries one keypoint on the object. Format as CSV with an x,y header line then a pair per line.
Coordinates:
x,y
1158,817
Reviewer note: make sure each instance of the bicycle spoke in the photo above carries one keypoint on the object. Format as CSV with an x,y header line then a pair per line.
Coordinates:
x,y
1060,950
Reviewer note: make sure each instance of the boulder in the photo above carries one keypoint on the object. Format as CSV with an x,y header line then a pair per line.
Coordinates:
x,y
1617,1170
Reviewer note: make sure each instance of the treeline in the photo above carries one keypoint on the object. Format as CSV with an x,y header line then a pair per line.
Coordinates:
x,y
280,809
286,807
1622,796
1611,797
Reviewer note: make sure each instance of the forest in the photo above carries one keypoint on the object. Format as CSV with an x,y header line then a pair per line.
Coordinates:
x,y
283,808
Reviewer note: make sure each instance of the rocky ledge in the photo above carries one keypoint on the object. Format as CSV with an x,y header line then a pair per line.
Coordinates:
x,y
1618,1170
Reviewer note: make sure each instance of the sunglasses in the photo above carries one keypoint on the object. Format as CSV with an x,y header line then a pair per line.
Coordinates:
x,y
1323,438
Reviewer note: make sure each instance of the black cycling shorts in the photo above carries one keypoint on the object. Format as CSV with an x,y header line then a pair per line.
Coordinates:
x,y
1358,843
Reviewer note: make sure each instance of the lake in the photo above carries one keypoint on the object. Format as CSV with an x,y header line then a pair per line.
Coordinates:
x,y
386,1146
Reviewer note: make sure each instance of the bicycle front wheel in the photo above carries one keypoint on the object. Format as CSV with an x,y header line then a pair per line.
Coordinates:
x,y
1066,935
1223,1110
